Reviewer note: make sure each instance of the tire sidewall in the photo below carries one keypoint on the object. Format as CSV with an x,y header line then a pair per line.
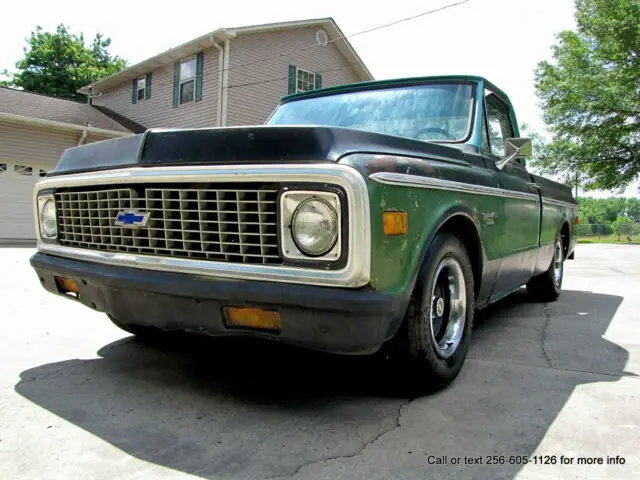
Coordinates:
x,y
552,269
423,348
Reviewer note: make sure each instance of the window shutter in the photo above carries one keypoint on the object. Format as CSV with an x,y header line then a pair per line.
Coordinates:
x,y
292,79
199,74
176,84
318,81
134,91
147,91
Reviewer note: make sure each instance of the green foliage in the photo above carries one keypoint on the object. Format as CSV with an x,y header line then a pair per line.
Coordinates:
x,y
622,226
590,96
608,210
60,63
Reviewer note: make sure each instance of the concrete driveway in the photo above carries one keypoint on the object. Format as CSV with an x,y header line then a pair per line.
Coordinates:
x,y
557,384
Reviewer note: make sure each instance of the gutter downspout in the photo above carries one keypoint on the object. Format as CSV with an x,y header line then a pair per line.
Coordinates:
x,y
83,137
225,77
220,86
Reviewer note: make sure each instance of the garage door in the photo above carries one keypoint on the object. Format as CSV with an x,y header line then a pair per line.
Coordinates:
x,y
16,196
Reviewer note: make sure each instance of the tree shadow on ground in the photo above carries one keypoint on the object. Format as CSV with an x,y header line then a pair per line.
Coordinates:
x,y
241,408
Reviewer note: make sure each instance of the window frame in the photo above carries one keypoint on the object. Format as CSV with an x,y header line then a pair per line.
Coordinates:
x,y
182,81
23,170
310,74
473,110
142,79
488,92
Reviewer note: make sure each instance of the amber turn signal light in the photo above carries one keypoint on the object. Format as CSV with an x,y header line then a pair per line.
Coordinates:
x,y
68,286
252,318
395,223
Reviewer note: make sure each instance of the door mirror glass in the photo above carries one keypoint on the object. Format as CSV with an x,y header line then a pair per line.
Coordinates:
x,y
515,148
518,147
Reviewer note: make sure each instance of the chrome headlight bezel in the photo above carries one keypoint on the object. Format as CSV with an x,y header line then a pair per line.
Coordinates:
x,y
290,202
44,201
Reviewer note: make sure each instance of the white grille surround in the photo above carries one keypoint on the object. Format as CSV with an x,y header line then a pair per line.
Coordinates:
x,y
223,223
353,273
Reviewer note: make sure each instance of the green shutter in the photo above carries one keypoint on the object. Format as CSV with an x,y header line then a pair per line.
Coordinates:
x,y
292,79
147,92
318,81
176,84
199,73
134,91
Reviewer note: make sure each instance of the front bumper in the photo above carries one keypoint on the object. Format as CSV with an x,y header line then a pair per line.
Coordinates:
x,y
335,320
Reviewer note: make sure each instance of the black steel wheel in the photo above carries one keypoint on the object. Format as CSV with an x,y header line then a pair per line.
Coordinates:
x,y
436,332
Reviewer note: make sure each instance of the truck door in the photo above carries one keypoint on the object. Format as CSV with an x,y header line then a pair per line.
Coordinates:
x,y
521,202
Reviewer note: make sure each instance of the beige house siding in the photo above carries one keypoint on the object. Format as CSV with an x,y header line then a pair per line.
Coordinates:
x,y
23,143
158,111
252,104
97,137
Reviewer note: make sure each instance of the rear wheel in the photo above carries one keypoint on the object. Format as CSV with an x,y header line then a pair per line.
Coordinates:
x,y
547,286
436,334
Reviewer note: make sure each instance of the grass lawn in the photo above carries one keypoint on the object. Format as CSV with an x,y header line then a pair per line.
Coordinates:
x,y
609,239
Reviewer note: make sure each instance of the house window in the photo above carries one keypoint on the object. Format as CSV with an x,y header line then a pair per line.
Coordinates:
x,y
23,170
187,80
142,85
305,81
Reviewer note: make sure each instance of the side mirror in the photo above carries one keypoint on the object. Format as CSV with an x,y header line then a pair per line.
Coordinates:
x,y
515,148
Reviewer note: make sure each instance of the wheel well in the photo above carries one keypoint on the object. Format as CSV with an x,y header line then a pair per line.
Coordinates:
x,y
564,234
464,228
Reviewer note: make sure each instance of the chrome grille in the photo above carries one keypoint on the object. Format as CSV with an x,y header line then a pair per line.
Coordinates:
x,y
200,221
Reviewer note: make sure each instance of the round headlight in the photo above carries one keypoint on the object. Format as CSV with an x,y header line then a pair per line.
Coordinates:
x,y
48,219
315,227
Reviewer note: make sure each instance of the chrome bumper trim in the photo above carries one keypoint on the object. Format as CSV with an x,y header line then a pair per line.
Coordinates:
x,y
355,273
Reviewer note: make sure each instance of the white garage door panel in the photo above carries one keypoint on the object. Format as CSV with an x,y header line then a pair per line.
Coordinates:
x,y
17,181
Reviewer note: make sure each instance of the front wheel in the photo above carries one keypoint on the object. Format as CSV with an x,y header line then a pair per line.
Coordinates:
x,y
437,328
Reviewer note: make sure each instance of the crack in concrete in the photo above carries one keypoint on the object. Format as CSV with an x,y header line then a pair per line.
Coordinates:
x,y
543,336
558,369
361,450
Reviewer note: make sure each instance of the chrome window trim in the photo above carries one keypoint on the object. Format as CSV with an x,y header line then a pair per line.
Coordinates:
x,y
355,273
440,184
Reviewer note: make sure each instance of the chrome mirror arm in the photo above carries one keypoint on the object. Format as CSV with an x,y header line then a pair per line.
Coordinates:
x,y
500,164
517,152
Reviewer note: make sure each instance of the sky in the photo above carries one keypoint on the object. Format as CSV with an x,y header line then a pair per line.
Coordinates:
x,y
502,40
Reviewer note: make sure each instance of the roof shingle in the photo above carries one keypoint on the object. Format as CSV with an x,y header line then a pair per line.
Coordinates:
x,y
27,104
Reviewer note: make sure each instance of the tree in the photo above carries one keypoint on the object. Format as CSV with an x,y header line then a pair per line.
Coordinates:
x,y
633,209
589,96
60,63
622,226
607,210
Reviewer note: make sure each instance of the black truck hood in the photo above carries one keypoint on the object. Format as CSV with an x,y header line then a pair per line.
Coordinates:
x,y
238,145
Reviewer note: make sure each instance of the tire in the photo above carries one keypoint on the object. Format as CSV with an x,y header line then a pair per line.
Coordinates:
x,y
435,337
141,332
547,286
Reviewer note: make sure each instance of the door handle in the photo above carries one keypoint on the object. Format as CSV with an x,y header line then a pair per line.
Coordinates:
x,y
534,186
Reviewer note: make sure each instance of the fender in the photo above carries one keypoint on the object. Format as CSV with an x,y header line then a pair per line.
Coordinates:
x,y
451,213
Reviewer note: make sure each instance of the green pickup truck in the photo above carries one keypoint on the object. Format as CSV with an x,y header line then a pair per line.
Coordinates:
x,y
370,217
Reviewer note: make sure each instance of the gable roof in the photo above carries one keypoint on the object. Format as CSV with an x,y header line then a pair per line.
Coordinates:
x,y
219,36
21,105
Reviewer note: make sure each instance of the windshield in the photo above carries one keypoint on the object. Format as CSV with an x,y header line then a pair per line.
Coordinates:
x,y
435,112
